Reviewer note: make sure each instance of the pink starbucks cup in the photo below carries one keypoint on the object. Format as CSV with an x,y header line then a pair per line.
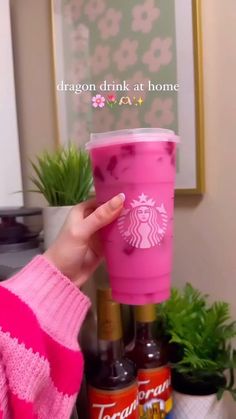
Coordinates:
x,y
138,245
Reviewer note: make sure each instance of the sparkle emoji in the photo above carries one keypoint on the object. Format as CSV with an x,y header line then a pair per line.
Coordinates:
x,y
138,101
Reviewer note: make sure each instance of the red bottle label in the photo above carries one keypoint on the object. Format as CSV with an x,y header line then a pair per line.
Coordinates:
x,y
114,404
155,387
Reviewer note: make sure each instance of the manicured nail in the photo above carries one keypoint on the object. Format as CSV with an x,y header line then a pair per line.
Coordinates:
x,y
117,201
122,196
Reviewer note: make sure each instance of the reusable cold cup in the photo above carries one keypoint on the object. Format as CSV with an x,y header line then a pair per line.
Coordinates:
x,y
138,245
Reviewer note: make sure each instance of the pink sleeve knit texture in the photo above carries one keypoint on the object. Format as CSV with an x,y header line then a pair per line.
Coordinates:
x,y
41,365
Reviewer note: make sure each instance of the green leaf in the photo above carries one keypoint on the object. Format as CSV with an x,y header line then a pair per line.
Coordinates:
x,y
63,177
202,333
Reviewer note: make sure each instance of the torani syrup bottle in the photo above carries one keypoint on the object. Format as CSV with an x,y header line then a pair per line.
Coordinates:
x,y
150,357
113,389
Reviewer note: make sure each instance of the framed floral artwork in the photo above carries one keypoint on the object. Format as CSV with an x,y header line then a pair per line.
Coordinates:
x,y
131,64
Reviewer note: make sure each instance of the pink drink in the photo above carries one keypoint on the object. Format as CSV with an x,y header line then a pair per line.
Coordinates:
x,y
138,246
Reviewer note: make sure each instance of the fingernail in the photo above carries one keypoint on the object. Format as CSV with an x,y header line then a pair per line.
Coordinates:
x,y
117,201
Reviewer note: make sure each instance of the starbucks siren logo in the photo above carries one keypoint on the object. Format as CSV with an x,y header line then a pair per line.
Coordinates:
x,y
144,224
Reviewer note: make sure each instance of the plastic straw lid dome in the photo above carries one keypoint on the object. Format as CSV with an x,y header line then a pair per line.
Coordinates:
x,y
130,135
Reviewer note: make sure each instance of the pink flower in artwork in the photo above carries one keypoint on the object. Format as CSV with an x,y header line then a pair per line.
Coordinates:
x,y
158,54
103,121
79,132
79,38
161,113
129,118
100,59
94,8
79,71
109,24
126,55
144,15
98,101
73,10
137,78
82,102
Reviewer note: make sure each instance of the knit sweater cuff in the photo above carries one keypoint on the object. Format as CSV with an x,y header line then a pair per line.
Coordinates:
x,y
57,303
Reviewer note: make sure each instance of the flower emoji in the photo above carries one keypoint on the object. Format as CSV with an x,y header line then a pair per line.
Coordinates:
x,y
98,101
111,100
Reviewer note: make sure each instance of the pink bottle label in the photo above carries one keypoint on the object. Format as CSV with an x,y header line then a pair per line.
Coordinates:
x,y
143,224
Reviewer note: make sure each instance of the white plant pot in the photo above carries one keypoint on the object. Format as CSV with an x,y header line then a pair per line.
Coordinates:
x,y
53,220
198,407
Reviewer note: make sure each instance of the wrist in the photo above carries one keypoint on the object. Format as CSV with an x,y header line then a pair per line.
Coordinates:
x,y
60,262
52,257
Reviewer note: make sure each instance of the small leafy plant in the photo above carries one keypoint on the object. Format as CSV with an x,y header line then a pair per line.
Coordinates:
x,y
201,335
64,177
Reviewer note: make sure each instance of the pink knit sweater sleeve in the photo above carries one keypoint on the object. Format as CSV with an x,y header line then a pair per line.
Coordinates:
x,y
41,365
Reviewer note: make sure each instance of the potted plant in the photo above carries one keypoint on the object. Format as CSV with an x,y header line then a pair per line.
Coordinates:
x,y
201,355
64,178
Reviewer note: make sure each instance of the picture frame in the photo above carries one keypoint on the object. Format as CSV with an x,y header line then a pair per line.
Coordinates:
x,y
190,178
10,164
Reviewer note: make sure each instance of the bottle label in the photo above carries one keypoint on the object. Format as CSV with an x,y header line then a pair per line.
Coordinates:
x,y
155,390
114,404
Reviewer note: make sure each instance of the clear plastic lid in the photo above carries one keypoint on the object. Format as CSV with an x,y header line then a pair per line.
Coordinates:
x,y
125,136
